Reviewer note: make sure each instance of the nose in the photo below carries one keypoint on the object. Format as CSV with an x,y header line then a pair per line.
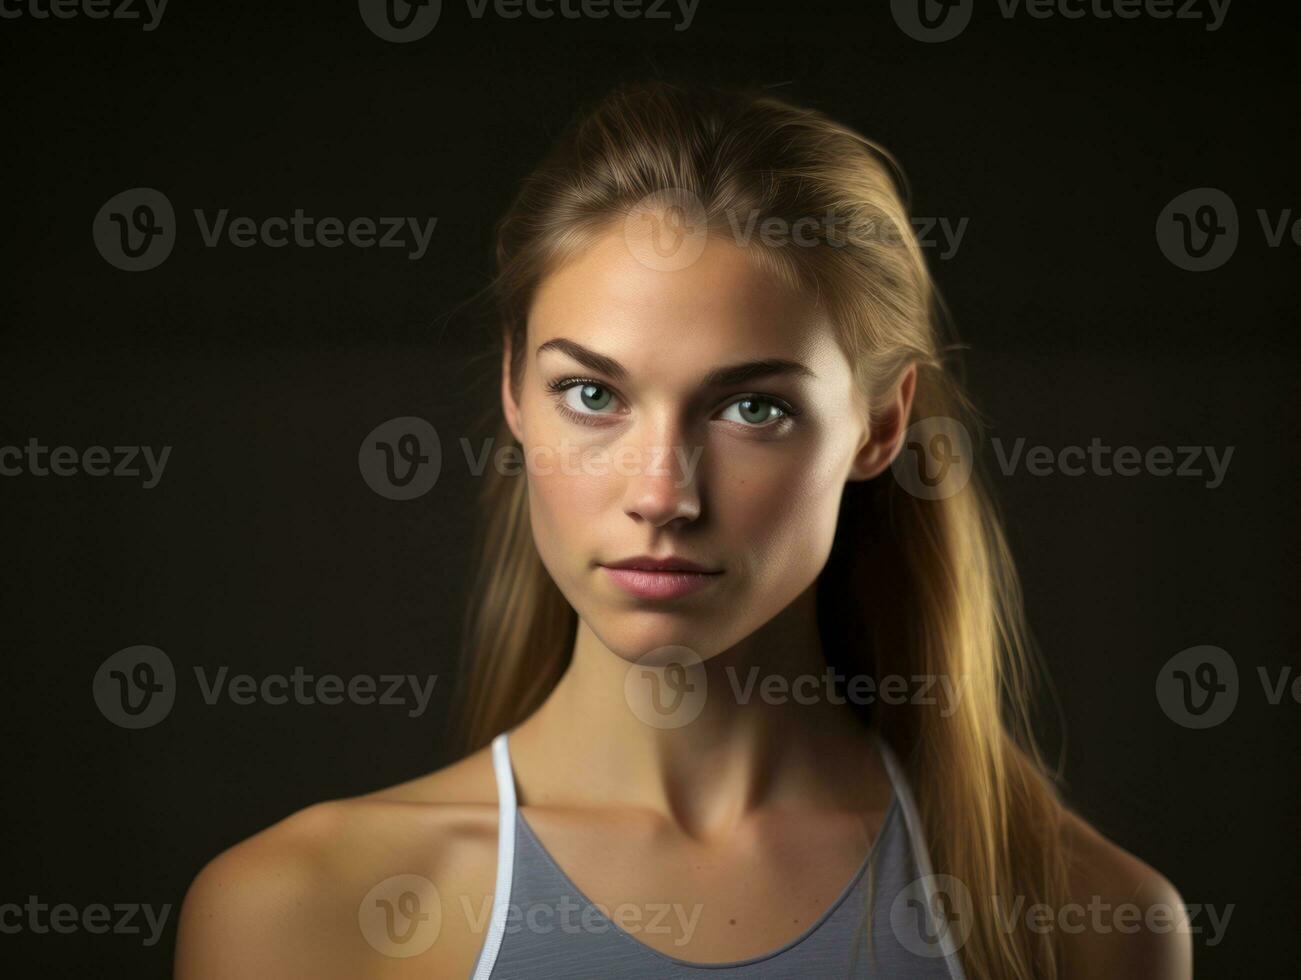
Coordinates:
x,y
662,483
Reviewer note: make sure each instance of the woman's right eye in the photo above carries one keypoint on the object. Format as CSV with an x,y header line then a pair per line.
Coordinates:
x,y
582,398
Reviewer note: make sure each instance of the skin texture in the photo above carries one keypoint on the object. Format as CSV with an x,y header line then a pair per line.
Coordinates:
x,y
749,818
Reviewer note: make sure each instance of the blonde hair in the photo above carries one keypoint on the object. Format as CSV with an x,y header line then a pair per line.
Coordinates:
x,y
912,586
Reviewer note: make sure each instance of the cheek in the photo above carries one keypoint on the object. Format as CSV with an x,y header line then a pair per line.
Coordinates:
x,y
781,509
567,496
562,497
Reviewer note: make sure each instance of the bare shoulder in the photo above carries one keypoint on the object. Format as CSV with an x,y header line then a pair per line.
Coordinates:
x,y
1127,919
392,881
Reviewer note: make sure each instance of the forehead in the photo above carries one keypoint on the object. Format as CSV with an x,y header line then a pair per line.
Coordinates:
x,y
723,307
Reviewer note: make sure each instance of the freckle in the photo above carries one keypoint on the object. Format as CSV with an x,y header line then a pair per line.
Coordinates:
x,y
731,922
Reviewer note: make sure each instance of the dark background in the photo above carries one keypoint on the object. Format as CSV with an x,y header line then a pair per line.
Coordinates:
x,y
263,549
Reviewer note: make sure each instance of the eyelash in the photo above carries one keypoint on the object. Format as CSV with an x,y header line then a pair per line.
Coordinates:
x,y
561,385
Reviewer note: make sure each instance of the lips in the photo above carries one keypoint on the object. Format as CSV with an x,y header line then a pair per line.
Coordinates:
x,y
660,578
672,563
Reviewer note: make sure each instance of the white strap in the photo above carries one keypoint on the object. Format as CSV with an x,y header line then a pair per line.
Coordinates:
x,y
505,857
921,855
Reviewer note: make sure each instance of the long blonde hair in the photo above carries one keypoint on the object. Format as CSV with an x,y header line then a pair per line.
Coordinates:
x,y
913,587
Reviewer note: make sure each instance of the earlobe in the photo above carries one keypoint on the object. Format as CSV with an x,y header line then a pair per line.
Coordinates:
x,y
886,431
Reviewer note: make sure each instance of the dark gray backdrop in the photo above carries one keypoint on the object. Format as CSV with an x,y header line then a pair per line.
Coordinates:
x,y
1059,141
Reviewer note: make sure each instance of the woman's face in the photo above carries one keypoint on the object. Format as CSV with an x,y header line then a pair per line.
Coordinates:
x,y
641,438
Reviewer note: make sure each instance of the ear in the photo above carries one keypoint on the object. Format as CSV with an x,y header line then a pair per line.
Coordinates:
x,y
508,405
886,430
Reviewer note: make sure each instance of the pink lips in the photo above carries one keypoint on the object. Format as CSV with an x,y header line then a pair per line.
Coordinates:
x,y
651,578
659,585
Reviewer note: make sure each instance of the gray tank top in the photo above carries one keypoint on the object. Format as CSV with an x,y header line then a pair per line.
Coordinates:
x,y
542,926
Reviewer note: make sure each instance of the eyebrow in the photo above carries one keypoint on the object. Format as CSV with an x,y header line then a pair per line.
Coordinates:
x,y
720,377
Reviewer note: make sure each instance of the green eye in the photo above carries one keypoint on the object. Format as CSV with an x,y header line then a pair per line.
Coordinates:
x,y
584,400
594,397
755,411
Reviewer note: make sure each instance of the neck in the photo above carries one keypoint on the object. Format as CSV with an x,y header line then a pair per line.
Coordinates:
x,y
704,746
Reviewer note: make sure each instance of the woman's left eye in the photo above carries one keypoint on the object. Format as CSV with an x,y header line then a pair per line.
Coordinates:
x,y
755,411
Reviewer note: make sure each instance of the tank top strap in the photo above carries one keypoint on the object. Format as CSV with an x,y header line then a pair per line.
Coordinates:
x,y
921,854
505,857
633,958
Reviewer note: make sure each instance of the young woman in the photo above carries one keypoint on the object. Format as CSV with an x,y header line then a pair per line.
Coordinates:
x,y
743,700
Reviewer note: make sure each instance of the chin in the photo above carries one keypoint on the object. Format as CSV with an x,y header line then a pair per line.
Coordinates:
x,y
647,637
